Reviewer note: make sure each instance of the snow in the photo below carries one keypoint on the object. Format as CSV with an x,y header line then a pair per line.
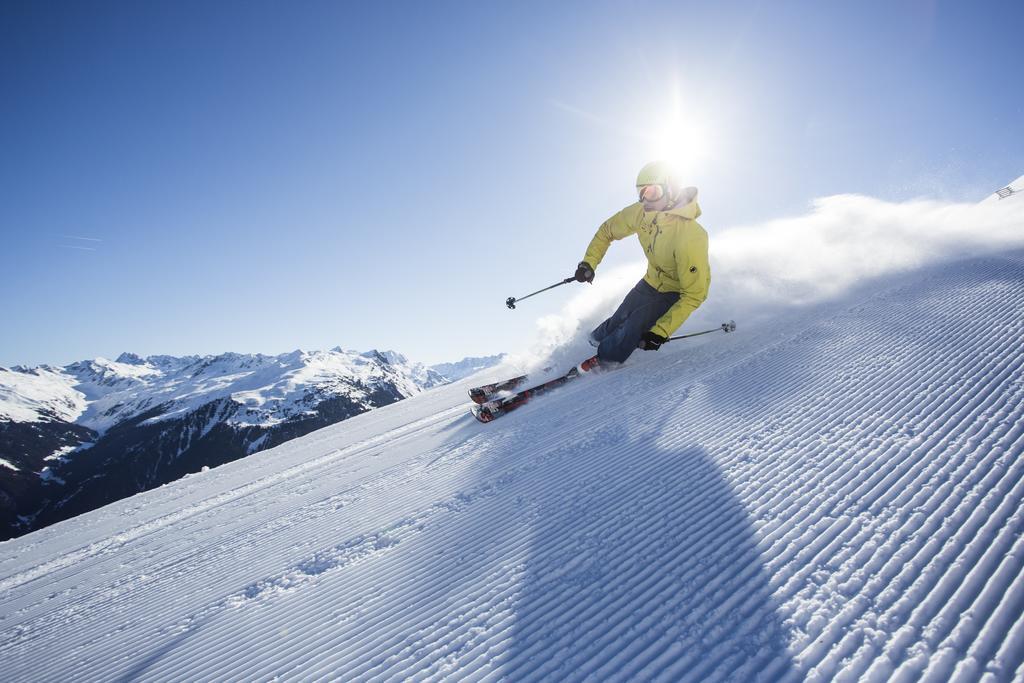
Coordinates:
x,y
1010,190
38,394
467,366
62,452
833,492
844,244
46,474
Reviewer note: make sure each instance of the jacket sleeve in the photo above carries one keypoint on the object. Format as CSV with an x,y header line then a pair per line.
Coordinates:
x,y
622,224
694,273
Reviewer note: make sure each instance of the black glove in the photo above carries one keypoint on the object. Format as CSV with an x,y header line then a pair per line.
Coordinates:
x,y
584,273
651,341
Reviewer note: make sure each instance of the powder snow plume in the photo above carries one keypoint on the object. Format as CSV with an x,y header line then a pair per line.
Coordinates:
x,y
844,244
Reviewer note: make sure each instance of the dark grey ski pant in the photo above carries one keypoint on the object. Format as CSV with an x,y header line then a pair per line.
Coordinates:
x,y
619,334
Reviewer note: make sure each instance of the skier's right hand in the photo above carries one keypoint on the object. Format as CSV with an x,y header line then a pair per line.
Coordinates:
x,y
584,273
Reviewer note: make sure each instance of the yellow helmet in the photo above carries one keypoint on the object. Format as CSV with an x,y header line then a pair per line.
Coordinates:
x,y
657,173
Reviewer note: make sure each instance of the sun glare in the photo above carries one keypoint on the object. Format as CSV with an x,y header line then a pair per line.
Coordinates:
x,y
685,142
682,132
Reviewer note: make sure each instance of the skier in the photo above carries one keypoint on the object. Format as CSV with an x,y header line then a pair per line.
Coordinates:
x,y
676,283
678,274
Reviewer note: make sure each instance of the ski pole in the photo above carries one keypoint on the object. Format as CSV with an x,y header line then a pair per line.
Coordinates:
x,y
511,301
724,327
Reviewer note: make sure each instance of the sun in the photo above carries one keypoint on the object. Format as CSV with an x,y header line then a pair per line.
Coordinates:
x,y
687,131
684,141
682,133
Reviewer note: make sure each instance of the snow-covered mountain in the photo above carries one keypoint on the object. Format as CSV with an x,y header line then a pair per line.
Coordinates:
x,y
467,366
268,389
78,436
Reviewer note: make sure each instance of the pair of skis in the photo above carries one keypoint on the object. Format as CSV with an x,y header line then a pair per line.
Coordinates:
x,y
491,404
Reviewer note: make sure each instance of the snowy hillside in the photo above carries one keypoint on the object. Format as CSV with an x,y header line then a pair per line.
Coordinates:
x,y
836,493
1011,190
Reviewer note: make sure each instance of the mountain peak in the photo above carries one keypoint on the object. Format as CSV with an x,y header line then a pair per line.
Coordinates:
x,y
374,354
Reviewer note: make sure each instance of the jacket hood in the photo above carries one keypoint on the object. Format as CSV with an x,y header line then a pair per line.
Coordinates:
x,y
686,206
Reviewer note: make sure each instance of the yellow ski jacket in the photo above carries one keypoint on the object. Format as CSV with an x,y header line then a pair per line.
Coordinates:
x,y
676,247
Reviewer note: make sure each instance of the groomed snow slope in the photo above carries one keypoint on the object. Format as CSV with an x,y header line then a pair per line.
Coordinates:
x,y
835,494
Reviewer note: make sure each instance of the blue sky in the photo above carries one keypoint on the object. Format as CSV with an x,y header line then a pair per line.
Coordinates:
x,y
261,176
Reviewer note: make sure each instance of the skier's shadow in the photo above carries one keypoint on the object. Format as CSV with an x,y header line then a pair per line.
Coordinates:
x,y
641,562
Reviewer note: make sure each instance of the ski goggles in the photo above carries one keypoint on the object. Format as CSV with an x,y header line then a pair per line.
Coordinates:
x,y
651,193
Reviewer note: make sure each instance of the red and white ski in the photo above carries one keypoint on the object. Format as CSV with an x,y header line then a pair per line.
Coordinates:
x,y
488,410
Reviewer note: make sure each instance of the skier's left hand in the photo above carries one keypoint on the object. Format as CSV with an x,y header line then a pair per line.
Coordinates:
x,y
651,341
